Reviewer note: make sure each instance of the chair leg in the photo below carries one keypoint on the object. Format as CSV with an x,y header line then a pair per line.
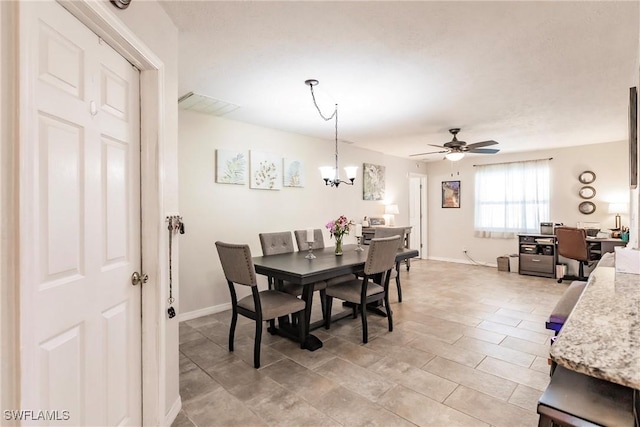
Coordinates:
x,y
272,327
327,319
398,286
387,307
232,328
256,344
581,270
365,329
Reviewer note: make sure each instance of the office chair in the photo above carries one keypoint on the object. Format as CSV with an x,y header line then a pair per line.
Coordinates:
x,y
573,244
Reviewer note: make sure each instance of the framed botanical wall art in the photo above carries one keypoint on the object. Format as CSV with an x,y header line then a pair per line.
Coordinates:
x,y
373,182
450,194
293,173
231,167
266,170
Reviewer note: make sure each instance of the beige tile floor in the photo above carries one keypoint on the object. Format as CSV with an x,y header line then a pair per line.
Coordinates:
x,y
469,348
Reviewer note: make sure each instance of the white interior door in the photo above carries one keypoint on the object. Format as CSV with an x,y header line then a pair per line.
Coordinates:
x,y
80,223
418,214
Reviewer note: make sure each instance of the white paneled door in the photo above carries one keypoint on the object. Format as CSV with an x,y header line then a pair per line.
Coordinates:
x,y
80,224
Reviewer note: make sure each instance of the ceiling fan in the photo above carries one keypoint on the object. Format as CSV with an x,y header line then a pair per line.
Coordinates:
x,y
455,150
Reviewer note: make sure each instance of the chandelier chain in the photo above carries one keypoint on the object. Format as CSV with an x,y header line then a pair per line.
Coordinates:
x,y
335,181
326,119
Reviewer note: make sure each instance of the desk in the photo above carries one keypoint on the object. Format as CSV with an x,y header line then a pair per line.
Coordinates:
x,y
294,267
602,246
538,254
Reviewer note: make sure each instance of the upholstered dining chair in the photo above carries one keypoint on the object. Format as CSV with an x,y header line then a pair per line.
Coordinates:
x,y
393,231
301,239
274,244
281,243
381,259
260,305
573,244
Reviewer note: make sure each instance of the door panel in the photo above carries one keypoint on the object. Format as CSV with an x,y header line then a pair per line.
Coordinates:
x,y
80,236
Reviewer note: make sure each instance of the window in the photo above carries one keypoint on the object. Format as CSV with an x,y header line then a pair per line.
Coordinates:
x,y
511,198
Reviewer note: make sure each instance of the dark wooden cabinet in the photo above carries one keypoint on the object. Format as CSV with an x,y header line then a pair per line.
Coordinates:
x,y
537,255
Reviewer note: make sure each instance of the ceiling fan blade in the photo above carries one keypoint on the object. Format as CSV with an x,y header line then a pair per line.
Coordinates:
x,y
431,152
483,150
482,144
434,145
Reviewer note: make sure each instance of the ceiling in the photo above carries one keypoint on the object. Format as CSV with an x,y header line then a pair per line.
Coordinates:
x,y
530,75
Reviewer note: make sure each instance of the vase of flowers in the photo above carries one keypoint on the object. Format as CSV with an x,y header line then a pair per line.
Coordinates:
x,y
337,229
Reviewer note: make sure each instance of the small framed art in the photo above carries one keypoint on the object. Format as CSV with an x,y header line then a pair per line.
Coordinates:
x,y
450,194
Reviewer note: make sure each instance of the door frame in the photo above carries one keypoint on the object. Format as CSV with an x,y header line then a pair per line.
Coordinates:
x,y
424,250
98,17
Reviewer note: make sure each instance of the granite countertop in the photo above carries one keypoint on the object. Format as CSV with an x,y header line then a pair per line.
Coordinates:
x,y
601,337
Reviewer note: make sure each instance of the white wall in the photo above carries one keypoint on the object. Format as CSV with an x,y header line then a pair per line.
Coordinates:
x,y
235,213
451,230
149,22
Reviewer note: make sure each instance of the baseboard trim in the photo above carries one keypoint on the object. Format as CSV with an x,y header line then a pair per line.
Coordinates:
x,y
463,261
190,315
173,412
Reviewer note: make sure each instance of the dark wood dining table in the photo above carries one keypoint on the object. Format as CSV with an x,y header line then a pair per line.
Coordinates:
x,y
295,268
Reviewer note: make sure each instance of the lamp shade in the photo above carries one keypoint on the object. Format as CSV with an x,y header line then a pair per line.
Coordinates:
x,y
327,172
617,208
454,156
391,209
351,171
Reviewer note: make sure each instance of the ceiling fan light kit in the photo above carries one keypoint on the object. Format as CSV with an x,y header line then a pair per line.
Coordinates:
x,y
454,156
331,175
455,149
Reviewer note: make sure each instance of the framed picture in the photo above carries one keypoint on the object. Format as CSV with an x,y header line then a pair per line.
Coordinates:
x,y
293,173
372,182
266,171
231,167
633,137
450,194
376,221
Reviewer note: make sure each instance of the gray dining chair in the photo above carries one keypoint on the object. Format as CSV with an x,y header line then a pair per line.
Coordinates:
x,y
260,305
393,231
274,244
381,259
301,239
281,243
318,243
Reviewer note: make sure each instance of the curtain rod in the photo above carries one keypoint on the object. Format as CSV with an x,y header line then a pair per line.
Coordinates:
x,y
515,161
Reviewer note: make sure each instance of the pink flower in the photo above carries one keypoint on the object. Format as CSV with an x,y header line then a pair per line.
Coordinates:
x,y
339,227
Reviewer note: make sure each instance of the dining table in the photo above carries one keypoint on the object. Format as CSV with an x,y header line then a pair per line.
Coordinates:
x,y
295,268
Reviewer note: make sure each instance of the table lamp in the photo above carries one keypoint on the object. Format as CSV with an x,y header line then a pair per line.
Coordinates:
x,y
617,208
391,211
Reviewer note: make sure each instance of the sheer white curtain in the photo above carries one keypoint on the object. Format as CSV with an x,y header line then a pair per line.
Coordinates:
x,y
511,198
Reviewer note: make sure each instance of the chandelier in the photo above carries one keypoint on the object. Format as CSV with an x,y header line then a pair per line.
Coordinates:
x,y
329,173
